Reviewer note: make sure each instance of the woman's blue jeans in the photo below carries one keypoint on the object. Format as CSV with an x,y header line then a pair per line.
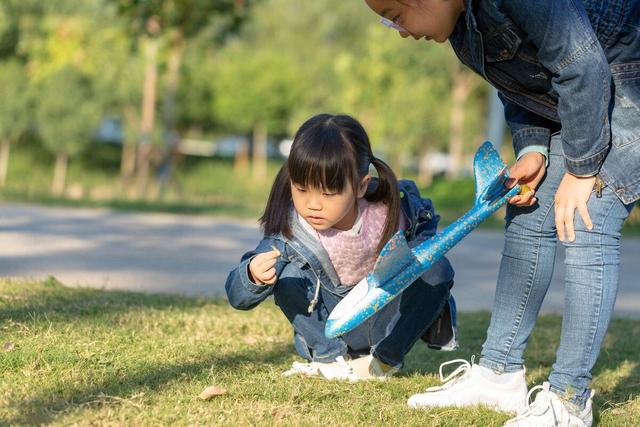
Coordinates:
x,y
591,283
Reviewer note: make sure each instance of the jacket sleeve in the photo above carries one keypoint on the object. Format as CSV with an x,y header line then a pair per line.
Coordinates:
x,y
568,47
242,293
424,227
529,132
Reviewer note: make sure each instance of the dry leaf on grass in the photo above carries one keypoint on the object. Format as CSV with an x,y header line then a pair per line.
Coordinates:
x,y
212,391
249,340
8,346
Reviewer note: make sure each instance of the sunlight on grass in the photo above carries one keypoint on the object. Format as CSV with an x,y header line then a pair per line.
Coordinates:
x,y
80,356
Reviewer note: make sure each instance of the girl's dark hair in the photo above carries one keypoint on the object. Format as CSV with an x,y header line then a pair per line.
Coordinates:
x,y
329,151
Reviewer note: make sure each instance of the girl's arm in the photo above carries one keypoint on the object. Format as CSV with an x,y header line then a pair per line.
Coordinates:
x,y
243,293
569,48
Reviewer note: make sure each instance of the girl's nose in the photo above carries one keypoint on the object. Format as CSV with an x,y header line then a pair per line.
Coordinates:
x,y
313,204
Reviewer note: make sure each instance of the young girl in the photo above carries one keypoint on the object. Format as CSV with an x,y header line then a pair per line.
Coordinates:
x,y
325,222
568,74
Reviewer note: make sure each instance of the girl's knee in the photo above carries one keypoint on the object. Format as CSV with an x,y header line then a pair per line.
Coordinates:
x,y
292,290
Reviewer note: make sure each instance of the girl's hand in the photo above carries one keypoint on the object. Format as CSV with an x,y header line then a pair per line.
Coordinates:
x,y
261,268
528,170
573,193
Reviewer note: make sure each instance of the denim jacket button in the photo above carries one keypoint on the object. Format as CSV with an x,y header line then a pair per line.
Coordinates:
x,y
504,53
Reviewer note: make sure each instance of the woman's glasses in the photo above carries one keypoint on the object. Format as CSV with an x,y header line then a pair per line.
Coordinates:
x,y
390,24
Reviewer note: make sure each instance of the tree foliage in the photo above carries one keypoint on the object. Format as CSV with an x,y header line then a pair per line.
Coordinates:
x,y
67,113
291,60
15,109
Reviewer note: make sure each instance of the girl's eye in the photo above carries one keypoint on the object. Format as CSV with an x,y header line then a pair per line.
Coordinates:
x,y
302,190
329,194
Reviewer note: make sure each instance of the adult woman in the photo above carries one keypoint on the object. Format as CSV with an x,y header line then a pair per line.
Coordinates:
x,y
568,73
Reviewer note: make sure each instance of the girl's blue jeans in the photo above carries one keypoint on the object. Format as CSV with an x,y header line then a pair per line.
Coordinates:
x,y
591,283
389,334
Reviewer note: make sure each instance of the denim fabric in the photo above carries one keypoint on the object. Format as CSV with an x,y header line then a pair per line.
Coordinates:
x,y
304,264
388,335
591,283
563,66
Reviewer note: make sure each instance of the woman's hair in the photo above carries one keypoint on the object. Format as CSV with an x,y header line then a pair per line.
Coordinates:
x,y
329,152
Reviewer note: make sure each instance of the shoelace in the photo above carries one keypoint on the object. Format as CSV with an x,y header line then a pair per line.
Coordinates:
x,y
463,368
457,374
538,406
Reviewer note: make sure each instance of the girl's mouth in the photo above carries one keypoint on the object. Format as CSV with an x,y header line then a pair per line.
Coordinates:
x,y
315,219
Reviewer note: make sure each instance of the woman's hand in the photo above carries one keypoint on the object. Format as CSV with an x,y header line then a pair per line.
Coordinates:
x,y
573,193
528,170
261,268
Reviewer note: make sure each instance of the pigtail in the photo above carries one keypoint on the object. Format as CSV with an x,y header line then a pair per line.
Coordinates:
x,y
386,192
275,218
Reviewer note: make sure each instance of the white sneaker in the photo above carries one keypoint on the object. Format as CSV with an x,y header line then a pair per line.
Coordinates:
x,y
304,368
470,384
362,368
549,410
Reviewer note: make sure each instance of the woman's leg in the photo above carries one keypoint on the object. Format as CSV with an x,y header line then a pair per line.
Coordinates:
x,y
525,272
591,284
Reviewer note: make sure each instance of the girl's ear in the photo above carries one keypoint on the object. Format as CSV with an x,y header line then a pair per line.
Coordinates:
x,y
364,184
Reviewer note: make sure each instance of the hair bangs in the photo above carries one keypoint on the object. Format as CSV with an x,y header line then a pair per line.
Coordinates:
x,y
324,160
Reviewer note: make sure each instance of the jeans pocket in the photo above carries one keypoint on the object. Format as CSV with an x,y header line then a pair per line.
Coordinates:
x,y
625,118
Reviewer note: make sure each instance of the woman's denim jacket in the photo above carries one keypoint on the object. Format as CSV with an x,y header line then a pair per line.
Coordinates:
x,y
564,61
304,253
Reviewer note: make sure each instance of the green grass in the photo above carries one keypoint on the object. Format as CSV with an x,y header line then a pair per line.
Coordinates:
x,y
89,357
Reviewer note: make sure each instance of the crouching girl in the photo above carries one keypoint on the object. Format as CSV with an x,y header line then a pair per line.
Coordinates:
x,y
325,222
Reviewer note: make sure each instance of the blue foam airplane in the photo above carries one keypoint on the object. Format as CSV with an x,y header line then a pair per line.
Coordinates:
x,y
399,265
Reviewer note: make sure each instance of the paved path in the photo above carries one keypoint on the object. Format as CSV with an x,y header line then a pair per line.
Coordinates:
x,y
192,255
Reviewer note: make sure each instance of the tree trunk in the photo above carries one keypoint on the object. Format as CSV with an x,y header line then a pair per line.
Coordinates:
x,y
173,81
4,162
148,114
171,138
259,151
128,157
60,174
462,83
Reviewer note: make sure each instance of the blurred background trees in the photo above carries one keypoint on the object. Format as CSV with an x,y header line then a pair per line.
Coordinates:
x,y
188,80
14,110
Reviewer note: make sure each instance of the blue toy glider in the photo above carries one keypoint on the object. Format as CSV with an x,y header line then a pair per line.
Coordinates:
x,y
399,265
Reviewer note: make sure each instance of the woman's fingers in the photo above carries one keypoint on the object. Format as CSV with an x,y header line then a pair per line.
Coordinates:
x,y
584,214
573,194
525,199
559,220
567,219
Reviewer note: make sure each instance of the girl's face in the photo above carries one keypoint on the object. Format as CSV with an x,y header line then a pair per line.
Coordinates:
x,y
323,209
422,19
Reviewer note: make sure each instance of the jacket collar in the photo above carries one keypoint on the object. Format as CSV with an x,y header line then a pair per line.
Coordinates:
x,y
310,249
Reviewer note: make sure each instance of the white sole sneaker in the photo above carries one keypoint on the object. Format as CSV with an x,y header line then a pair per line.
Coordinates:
x,y
362,368
467,386
549,410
